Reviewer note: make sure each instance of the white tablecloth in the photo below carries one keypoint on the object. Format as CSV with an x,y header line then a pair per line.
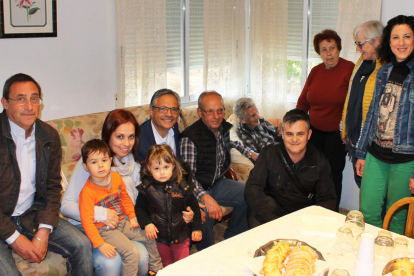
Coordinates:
x,y
235,256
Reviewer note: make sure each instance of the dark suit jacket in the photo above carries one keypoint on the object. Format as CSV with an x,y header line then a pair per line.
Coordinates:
x,y
146,140
46,205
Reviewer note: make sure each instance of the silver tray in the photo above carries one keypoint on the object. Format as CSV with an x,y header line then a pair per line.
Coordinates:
x,y
262,250
388,268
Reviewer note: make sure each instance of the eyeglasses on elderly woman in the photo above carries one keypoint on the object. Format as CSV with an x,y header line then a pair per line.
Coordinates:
x,y
360,44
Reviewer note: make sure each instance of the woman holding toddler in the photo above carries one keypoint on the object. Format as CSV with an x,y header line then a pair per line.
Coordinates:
x,y
120,131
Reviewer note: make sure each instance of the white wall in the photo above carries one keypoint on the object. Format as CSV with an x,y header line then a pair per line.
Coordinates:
x,y
350,191
392,8
77,69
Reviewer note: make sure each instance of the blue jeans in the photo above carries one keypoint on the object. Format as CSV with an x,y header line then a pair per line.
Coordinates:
x,y
227,193
65,240
104,266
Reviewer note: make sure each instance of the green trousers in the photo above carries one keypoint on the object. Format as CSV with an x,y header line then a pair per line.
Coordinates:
x,y
380,179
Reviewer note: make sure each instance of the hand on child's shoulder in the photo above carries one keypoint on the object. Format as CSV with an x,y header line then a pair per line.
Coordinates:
x,y
151,231
133,223
107,250
197,235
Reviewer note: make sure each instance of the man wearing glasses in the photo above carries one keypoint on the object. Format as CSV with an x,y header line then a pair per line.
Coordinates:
x,y
30,185
205,145
162,128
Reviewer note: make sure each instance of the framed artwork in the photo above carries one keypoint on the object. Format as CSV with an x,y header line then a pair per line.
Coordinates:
x,y
28,18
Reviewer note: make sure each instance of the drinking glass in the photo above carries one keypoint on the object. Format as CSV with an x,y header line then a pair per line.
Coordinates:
x,y
400,247
354,215
340,272
385,233
383,249
356,226
344,241
355,221
357,242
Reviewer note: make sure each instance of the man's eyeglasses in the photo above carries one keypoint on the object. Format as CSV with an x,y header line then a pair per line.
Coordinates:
x,y
23,101
360,44
164,109
210,112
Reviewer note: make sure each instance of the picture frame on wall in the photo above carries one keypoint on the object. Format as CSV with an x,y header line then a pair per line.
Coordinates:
x,y
28,18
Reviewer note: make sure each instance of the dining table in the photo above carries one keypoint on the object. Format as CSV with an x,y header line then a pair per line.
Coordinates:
x,y
313,225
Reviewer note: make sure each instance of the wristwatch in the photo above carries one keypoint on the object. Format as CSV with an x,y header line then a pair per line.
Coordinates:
x,y
250,154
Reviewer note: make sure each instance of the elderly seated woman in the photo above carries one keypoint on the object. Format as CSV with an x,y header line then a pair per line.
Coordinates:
x,y
254,131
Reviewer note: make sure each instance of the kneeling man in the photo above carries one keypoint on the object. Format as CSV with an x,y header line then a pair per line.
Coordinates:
x,y
289,176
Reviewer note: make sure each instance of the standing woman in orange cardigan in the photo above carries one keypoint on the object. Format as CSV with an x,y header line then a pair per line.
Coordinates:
x,y
324,96
367,38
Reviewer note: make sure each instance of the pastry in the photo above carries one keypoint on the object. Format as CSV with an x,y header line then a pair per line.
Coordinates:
x,y
403,267
274,259
301,260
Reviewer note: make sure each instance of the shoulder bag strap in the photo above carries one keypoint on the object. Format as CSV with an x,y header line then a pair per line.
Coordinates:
x,y
291,175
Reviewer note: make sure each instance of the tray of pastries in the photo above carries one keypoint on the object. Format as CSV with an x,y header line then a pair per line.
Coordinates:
x,y
282,259
400,267
262,250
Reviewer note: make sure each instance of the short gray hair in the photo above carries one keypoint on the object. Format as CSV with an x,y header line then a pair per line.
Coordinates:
x,y
162,92
206,93
370,30
241,106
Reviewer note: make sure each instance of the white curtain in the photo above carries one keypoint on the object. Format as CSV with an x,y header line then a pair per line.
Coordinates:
x,y
224,47
141,50
268,62
352,13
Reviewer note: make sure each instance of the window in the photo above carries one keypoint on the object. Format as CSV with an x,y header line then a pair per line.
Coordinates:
x,y
177,43
323,15
164,45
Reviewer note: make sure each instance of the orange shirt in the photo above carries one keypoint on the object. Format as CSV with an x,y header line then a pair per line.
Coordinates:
x,y
92,195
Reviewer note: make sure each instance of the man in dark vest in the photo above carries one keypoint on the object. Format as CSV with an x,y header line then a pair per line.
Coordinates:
x,y
205,145
289,176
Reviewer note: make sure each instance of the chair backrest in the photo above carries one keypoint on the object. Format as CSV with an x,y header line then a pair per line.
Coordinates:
x,y
409,227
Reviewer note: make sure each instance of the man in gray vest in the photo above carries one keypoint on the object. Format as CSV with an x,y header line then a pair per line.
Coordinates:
x,y
205,145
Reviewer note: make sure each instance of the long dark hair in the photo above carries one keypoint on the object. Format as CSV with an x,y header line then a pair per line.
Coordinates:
x,y
113,120
385,54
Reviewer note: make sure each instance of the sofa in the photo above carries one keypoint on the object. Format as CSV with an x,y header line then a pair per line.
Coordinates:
x,y
75,131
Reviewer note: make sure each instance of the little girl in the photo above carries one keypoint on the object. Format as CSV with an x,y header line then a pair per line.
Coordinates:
x,y
165,192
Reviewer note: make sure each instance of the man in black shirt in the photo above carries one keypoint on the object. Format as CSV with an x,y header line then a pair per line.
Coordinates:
x,y
272,191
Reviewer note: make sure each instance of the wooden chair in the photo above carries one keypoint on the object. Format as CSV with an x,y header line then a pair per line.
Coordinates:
x,y
409,227
230,174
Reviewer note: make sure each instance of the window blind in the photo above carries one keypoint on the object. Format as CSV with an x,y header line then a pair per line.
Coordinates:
x,y
175,32
295,29
324,14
